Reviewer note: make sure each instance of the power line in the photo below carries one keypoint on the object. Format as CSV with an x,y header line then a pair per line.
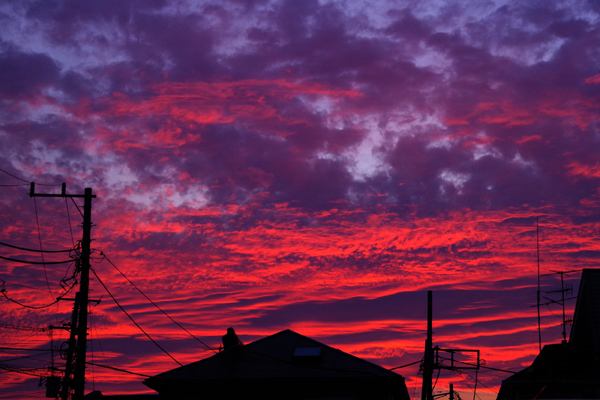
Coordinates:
x,y
481,366
407,365
23,349
37,220
26,371
461,374
25,286
29,357
14,176
77,206
118,369
35,250
23,180
156,305
131,318
3,292
35,262
481,383
69,218
23,328
436,379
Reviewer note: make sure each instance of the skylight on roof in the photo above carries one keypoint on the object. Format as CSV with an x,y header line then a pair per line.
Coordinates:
x,y
307,352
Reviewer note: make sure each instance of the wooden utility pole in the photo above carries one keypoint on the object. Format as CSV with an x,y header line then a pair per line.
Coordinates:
x,y
78,381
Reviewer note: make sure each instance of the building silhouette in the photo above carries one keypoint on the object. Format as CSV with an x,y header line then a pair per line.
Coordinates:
x,y
568,370
285,365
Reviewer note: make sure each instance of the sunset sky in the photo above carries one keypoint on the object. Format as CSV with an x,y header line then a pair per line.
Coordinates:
x,y
306,165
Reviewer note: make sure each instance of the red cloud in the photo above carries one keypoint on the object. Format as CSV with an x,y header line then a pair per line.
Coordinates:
x,y
593,79
221,102
590,171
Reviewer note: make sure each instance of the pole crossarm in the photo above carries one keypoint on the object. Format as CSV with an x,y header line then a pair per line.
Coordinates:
x,y
62,194
452,365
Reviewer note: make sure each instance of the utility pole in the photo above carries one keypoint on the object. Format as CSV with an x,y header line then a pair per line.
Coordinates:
x,y
66,383
78,383
537,240
426,389
432,359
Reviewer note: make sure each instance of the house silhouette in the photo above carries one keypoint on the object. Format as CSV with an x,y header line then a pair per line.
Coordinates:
x,y
285,365
568,370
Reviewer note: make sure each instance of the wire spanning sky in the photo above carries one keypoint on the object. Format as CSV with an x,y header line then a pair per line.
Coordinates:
x,y
311,165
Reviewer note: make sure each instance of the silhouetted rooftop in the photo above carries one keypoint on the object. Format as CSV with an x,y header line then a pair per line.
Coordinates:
x,y
285,361
566,370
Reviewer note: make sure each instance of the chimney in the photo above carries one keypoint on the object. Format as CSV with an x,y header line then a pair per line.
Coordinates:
x,y
230,339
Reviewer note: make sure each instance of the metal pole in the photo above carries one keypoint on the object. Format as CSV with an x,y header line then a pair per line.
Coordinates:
x,y
79,377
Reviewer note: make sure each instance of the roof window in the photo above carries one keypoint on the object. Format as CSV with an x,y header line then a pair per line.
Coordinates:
x,y
306,353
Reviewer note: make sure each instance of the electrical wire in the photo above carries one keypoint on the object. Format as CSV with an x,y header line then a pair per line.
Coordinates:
x,y
77,206
156,305
67,290
35,262
91,342
131,318
41,248
23,328
481,366
35,250
14,176
69,218
26,357
118,369
475,388
95,329
436,379
484,385
407,365
25,371
23,180
414,389
25,286
3,292
22,338
462,376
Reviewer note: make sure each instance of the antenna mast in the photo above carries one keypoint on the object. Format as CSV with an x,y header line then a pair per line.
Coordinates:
x,y
562,291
